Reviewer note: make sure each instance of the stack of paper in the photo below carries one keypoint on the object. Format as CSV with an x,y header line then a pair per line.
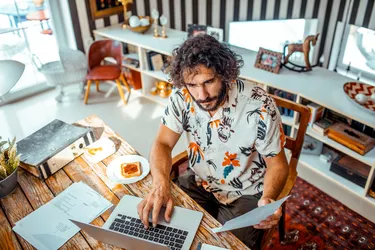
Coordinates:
x,y
49,227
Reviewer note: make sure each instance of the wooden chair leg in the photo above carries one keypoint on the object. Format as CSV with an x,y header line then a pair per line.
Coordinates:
x,y
97,86
125,83
119,87
282,225
87,91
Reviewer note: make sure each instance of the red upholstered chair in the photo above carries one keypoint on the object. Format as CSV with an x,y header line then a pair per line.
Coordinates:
x,y
98,72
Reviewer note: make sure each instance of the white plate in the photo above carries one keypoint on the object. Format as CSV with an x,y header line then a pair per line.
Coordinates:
x,y
114,169
108,148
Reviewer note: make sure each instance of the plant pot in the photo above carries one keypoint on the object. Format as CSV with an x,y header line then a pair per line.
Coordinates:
x,y
9,184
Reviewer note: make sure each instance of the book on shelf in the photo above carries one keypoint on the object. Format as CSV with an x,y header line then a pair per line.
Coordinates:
x,y
52,147
316,112
321,126
287,129
155,61
285,95
367,130
337,117
130,61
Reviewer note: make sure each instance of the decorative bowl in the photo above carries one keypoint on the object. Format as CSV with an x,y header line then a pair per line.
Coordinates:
x,y
354,88
141,29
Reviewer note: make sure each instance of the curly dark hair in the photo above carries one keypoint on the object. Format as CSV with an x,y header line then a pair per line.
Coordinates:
x,y
204,50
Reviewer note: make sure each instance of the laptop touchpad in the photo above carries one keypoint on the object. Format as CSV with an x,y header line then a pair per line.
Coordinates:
x,y
161,215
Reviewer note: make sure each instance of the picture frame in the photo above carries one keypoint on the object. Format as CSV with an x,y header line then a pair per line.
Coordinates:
x,y
268,60
155,61
216,33
195,29
101,8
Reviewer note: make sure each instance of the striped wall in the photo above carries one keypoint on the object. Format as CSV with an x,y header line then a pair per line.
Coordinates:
x,y
218,13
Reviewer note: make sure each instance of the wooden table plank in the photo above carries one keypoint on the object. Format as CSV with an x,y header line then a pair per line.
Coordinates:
x,y
142,188
57,184
8,239
16,206
39,194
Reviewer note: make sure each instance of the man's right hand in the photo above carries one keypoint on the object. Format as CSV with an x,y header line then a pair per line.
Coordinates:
x,y
159,196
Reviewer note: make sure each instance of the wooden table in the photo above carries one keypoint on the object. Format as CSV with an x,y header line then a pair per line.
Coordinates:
x,y
33,193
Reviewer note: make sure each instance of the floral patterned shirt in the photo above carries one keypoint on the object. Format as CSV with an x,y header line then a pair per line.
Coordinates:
x,y
225,151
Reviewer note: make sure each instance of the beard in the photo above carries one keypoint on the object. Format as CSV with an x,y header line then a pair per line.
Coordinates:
x,y
218,99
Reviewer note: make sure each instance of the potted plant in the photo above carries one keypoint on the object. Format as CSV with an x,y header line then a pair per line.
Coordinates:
x,y
9,162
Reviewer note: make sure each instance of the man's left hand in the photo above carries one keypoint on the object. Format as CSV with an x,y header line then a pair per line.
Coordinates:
x,y
271,220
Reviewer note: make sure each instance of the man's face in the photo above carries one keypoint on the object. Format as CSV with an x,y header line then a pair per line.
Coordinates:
x,y
206,88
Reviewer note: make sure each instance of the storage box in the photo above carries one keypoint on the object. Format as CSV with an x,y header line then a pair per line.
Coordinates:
x,y
351,169
351,138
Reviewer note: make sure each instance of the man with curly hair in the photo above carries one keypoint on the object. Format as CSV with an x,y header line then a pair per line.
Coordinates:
x,y
235,139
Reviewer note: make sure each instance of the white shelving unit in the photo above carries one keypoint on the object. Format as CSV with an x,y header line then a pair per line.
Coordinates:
x,y
287,120
321,86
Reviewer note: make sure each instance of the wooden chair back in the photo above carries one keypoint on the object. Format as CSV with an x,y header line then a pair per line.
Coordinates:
x,y
102,49
295,146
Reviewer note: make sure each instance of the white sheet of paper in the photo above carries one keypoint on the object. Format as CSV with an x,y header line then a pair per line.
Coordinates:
x,y
49,227
107,147
210,247
251,218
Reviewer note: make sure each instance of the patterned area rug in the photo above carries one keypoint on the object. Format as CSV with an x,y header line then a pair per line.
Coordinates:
x,y
317,221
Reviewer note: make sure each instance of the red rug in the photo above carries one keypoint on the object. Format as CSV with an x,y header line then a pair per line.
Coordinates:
x,y
317,221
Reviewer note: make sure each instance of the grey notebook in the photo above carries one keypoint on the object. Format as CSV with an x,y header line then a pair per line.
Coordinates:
x,y
51,139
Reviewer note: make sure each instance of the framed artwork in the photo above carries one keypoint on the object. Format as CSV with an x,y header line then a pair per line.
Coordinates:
x,y
216,33
268,60
103,8
195,29
155,61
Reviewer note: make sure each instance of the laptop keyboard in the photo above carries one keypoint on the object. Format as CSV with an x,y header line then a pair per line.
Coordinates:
x,y
174,238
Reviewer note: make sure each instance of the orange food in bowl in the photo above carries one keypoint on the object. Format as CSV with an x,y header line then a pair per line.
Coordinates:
x,y
131,169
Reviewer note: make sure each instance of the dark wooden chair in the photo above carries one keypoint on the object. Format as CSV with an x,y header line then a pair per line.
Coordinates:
x,y
98,72
293,144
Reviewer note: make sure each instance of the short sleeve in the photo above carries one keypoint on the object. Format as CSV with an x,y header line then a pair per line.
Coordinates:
x,y
270,135
172,117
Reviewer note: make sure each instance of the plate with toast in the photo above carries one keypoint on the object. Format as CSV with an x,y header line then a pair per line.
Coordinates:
x,y
128,169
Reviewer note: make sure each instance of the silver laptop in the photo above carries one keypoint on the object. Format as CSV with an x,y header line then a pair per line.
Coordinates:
x,y
125,229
